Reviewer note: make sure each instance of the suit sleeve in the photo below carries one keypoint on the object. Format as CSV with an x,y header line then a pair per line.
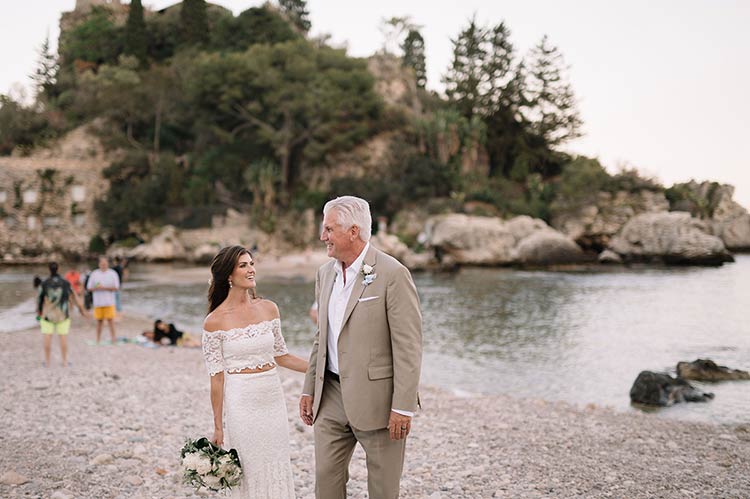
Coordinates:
x,y
405,323
309,385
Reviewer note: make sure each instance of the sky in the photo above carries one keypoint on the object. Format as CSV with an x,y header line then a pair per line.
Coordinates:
x,y
661,86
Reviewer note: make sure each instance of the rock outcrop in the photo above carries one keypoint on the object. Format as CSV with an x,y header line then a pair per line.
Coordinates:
x,y
672,238
661,389
492,241
708,370
593,225
165,247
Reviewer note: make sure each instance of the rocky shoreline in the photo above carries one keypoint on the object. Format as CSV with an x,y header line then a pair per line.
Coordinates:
x,y
111,425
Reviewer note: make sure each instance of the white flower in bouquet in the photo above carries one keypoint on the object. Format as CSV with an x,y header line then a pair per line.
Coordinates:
x,y
191,461
212,482
203,465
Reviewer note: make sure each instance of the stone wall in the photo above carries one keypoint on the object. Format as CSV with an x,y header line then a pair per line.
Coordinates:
x,y
47,206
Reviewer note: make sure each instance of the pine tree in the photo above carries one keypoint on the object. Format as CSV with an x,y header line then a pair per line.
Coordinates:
x,y
136,41
550,105
194,22
45,74
464,79
297,12
414,57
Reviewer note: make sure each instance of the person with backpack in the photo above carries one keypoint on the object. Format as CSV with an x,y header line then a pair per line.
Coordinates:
x,y
53,311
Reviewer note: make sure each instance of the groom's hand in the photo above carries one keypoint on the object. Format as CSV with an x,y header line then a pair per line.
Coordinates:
x,y
306,409
399,426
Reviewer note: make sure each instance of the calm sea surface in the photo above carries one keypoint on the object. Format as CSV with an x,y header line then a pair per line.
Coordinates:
x,y
579,337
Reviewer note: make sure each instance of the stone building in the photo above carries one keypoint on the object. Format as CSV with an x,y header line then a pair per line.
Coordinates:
x,y
47,199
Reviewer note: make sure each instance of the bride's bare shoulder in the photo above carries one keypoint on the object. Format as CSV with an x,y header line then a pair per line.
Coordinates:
x,y
213,322
269,309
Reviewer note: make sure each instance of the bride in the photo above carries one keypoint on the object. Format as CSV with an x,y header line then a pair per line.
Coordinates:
x,y
242,338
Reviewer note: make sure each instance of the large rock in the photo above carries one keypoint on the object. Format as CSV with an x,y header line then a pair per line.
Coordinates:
x,y
708,370
673,238
493,241
713,203
593,224
661,389
165,247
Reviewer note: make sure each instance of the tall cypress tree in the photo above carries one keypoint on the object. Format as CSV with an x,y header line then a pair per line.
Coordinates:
x,y
136,42
297,12
194,22
414,57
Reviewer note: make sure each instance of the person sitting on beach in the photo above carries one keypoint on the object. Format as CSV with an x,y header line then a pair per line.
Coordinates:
x,y
53,311
164,333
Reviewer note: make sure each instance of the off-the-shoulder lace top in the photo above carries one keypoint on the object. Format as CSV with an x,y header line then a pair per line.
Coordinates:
x,y
250,347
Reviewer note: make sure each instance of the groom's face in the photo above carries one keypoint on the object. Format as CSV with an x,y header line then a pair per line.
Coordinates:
x,y
338,241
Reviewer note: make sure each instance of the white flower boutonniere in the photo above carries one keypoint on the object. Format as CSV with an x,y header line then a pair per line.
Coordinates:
x,y
368,274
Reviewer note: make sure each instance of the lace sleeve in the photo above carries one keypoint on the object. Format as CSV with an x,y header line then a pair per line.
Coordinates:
x,y
212,352
279,345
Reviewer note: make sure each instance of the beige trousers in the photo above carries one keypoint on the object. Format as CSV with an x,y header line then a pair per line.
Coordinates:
x,y
335,439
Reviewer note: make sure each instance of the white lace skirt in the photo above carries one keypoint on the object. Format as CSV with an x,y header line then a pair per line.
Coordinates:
x,y
256,425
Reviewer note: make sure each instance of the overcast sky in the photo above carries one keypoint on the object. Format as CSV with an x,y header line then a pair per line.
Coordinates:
x,y
662,85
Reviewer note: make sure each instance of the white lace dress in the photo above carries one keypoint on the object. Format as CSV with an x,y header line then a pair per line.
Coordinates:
x,y
255,418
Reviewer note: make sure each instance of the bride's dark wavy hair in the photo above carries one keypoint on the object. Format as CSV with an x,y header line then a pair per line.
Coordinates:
x,y
222,267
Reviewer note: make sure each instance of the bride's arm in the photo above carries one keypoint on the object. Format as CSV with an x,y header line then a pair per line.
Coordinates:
x,y
217,404
292,362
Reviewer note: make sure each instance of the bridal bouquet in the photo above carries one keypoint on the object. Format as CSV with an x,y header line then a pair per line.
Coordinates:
x,y
207,465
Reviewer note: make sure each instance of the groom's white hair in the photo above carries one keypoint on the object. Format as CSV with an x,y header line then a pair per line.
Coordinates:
x,y
352,211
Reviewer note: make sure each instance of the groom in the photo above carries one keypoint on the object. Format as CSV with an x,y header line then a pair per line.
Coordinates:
x,y
361,385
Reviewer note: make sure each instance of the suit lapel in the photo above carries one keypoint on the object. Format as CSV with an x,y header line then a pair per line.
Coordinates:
x,y
325,297
359,286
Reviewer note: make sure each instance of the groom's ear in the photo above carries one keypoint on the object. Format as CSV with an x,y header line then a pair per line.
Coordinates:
x,y
354,232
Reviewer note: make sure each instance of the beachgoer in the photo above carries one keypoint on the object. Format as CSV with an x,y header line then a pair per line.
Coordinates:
x,y
53,311
103,282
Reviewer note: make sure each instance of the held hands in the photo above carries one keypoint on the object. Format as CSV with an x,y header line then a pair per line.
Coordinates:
x,y
306,409
218,438
399,426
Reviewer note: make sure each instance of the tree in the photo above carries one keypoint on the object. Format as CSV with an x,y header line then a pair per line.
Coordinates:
x,y
297,12
550,105
301,102
254,25
414,56
394,30
45,74
194,21
482,76
136,39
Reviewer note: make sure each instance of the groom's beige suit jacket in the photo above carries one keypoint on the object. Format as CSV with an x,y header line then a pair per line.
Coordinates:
x,y
379,347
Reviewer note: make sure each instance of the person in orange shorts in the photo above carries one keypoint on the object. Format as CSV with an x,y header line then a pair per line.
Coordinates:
x,y
103,283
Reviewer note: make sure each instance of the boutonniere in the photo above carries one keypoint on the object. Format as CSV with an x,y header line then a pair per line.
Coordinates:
x,y
368,274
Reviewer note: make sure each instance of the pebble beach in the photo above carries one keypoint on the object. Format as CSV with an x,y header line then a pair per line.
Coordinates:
x,y
110,426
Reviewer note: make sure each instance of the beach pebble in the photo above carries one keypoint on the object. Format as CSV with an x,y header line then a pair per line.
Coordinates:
x,y
13,478
62,494
102,459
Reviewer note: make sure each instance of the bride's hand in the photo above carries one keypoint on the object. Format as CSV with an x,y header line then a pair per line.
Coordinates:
x,y
218,438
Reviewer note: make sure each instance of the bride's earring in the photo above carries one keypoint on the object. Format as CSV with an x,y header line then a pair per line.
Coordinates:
x,y
230,283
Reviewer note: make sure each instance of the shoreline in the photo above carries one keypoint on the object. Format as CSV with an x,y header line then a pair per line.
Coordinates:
x,y
112,425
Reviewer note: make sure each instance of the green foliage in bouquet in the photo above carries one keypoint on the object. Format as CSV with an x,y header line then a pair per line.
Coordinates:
x,y
207,465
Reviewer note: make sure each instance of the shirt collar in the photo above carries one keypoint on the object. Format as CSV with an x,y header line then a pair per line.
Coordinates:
x,y
356,264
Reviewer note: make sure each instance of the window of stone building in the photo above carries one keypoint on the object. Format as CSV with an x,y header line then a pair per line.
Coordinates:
x,y
78,193
31,222
29,196
3,196
79,220
10,222
51,221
